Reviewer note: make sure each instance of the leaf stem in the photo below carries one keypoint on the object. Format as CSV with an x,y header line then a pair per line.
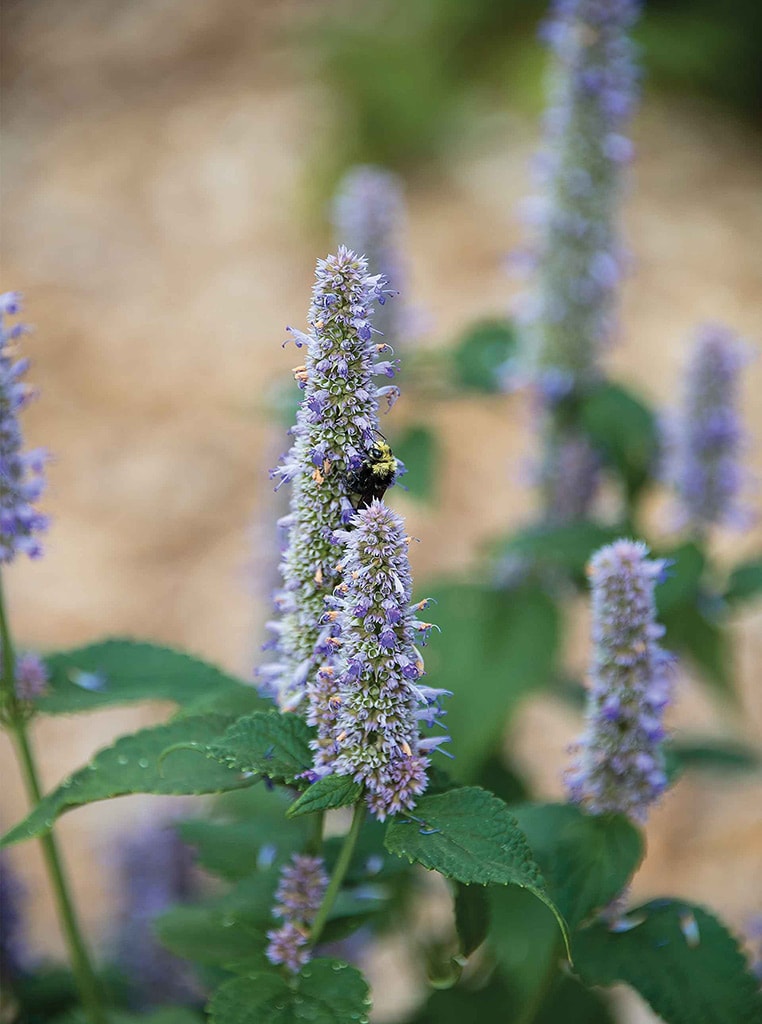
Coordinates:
x,y
339,871
87,982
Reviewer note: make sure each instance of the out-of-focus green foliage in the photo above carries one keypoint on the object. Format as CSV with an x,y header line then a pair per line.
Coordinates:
x,y
405,73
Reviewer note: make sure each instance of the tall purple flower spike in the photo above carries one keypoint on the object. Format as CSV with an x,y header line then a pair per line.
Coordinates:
x,y
21,472
369,706
704,464
619,765
300,892
336,422
368,216
577,261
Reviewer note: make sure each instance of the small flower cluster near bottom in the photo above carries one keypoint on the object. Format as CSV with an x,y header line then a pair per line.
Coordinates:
x,y
297,899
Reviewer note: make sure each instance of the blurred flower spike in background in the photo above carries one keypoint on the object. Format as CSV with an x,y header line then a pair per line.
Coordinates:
x,y
619,764
21,472
569,315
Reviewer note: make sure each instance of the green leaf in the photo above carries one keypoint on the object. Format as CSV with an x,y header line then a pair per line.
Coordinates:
x,y
122,671
470,836
494,649
565,548
523,938
481,353
465,1005
324,992
233,849
624,430
166,1015
132,765
680,958
713,755
471,916
706,644
417,448
683,577
226,931
745,583
586,861
326,794
268,743
569,1002
503,780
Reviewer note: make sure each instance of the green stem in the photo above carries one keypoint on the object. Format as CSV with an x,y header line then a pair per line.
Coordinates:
x,y
339,871
315,842
87,983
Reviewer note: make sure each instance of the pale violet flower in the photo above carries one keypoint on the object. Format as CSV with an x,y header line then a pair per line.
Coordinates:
x,y
619,764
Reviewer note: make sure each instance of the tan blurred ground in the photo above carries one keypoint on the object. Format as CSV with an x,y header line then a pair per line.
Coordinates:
x,y
155,171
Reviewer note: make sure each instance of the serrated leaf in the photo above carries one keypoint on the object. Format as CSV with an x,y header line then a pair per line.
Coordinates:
x,y
680,958
471,916
326,794
324,992
122,671
586,861
745,583
268,743
469,835
503,645
132,765
417,447
624,430
480,354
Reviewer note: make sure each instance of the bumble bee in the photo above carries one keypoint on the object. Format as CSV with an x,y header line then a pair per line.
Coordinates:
x,y
375,473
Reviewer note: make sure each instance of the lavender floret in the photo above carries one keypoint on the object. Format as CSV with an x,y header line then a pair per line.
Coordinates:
x,y
21,472
31,676
336,423
577,259
619,765
704,464
300,892
368,216
375,701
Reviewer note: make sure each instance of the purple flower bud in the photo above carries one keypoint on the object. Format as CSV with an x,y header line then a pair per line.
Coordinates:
x,y
620,762
21,480
31,676
569,314
300,892
703,465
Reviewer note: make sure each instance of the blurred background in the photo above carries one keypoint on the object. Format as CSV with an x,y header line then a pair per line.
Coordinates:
x,y
167,166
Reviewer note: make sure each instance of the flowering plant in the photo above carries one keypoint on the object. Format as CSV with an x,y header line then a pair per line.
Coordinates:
x,y
333,793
